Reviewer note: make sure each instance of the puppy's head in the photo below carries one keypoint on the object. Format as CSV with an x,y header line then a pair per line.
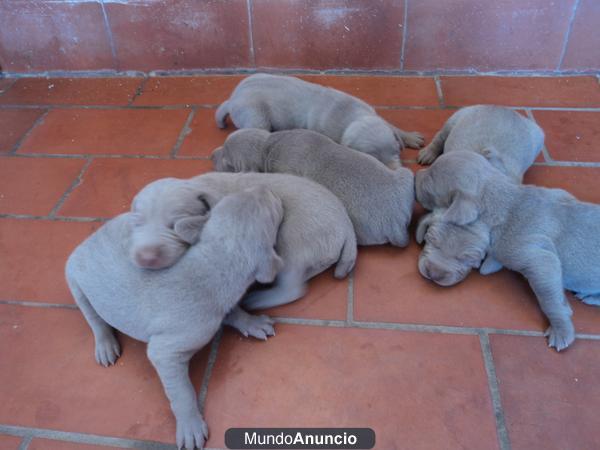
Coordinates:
x,y
454,181
168,216
243,151
373,135
451,250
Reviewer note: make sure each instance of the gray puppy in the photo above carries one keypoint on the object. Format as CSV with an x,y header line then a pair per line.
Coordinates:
x,y
508,140
316,231
379,201
273,103
178,310
545,234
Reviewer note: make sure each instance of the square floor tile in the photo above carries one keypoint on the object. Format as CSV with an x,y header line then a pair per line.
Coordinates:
x,y
571,135
550,399
14,123
34,256
119,131
35,185
582,182
326,298
202,90
61,387
204,135
522,91
71,91
416,390
109,184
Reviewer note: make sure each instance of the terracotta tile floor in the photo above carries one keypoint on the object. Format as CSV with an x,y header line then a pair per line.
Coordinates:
x,y
426,367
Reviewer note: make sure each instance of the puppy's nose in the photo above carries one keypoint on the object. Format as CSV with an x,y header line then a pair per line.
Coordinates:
x,y
148,257
435,273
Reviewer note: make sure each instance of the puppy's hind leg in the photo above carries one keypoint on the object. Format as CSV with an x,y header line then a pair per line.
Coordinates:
x,y
107,346
172,366
289,286
250,116
259,327
542,269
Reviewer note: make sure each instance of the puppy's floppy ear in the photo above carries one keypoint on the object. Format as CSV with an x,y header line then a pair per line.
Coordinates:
x,y
462,211
424,224
189,228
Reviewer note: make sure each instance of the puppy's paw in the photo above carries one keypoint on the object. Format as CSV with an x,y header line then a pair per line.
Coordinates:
x,y
108,349
413,139
592,300
192,433
259,327
426,156
561,336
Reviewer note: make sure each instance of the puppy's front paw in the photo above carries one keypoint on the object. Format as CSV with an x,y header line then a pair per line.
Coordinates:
x,y
413,139
192,432
561,336
426,156
259,327
108,349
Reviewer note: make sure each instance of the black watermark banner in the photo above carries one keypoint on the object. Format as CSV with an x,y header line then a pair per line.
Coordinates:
x,y
300,438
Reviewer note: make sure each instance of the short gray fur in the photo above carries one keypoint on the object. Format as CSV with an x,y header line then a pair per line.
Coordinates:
x,y
379,200
545,234
510,141
316,231
179,309
276,102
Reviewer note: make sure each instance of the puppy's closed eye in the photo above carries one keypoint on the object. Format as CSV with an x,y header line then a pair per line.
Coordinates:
x,y
204,202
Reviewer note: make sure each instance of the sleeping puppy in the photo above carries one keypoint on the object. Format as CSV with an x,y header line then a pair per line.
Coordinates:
x,y
316,232
547,235
178,310
273,103
379,201
508,140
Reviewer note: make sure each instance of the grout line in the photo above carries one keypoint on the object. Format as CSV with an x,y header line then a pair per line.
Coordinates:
x,y
545,152
404,34
410,327
440,93
76,182
109,34
22,139
250,9
185,130
110,73
25,443
39,304
214,106
563,51
83,438
55,218
490,369
554,163
101,156
138,91
212,358
350,304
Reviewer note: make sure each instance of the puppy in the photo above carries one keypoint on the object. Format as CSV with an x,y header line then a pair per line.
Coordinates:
x,y
316,231
545,234
508,140
273,103
379,201
178,310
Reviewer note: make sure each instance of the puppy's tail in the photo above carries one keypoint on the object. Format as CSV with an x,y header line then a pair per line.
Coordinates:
x,y
347,258
221,114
